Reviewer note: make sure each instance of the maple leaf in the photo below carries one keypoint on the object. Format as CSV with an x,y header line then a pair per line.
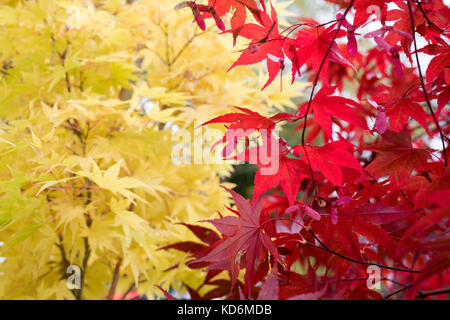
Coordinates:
x,y
439,263
373,233
185,246
298,284
397,157
289,175
243,235
439,63
400,107
372,214
312,46
314,130
402,27
311,295
270,288
343,239
337,74
290,50
429,220
266,44
444,96
206,235
330,158
364,294
324,106
365,8
249,119
243,124
435,193
275,167
377,213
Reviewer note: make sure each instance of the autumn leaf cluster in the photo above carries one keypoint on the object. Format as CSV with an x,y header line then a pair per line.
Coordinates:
x,y
365,185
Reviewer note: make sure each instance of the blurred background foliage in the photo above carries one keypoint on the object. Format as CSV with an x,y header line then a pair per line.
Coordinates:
x,y
91,93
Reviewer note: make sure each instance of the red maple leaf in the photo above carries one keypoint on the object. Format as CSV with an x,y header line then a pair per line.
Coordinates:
x,y
313,44
365,8
439,263
443,96
324,107
289,175
243,124
249,119
402,27
330,158
270,288
400,107
275,167
243,236
266,44
393,213
440,61
397,157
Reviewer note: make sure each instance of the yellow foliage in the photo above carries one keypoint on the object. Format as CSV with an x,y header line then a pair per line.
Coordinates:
x,y
90,92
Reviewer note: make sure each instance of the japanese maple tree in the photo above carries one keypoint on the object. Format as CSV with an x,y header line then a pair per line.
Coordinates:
x,y
367,187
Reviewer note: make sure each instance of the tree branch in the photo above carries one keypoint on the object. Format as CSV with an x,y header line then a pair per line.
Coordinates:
x,y
422,82
362,279
130,288
65,262
115,280
316,80
428,19
424,294
324,247
87,253
397,291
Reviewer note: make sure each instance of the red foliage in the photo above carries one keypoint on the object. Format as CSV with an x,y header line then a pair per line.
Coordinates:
x,y
362,197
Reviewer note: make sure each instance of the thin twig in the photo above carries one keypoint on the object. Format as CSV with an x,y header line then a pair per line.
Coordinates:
x,y
424,294
397,291
324,247
362,279
428,19
115,280
186,45
87,253
65,262
60,245
420,294
422,82
166,44
316,80
130,288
